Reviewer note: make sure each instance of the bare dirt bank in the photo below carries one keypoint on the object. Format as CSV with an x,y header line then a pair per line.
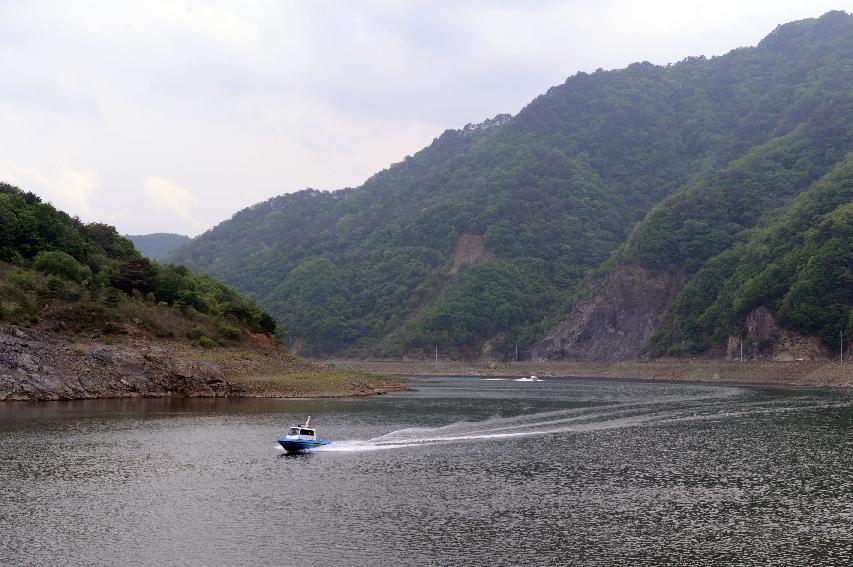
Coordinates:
x,y
760,372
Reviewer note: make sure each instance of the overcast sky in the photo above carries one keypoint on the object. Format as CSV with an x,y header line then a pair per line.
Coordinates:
x,y
171,116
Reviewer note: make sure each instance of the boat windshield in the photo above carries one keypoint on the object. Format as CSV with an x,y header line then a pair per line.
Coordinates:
x,y
293,431
309,432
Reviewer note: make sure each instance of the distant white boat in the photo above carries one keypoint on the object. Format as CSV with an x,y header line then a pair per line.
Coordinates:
x,y
532,378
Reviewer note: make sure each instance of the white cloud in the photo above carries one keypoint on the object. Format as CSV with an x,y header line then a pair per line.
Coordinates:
x,y
73,190
166,196
66,188
274,96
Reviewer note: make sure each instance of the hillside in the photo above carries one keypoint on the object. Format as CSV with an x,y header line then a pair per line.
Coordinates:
x,y
158,245
607,198
83,314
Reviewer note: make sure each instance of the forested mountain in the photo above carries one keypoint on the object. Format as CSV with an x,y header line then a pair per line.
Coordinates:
x,y
715,172
800,268
88,278
158,245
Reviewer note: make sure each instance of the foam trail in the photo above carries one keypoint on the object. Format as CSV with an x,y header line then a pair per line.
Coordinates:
x,y
354,446
576,419
537,421
585,419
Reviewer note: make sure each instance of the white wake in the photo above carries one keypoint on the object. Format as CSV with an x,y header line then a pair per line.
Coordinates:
x,y
581,420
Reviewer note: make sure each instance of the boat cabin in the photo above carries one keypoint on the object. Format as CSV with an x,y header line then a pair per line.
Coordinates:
x,y
300,433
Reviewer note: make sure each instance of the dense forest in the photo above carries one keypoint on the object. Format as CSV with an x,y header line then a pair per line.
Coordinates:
x,y
88,278
158,245
730,170
800,267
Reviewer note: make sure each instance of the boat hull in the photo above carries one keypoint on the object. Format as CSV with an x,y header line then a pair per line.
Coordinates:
x,y
301,445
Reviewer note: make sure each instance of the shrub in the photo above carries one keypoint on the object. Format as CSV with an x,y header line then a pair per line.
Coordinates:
x,y
61,264
113,296
156,329
206,342
136,274
229,331
24,280
57,287
110,327
196,332
83,316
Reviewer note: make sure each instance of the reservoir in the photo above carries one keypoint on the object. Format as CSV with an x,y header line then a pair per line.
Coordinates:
x,y
464,471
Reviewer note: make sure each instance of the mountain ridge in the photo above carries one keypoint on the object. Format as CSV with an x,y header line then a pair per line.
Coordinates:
x,y
557,193
158,245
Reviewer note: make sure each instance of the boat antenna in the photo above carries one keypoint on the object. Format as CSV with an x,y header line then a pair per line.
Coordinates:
x,y
307,419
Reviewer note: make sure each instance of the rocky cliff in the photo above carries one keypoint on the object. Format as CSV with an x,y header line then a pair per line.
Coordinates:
x,y
764,339
616,320
624,310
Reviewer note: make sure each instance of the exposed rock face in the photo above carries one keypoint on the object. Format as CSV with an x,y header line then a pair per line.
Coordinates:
x,y
617,318
35,365
487,350
470,249
764,339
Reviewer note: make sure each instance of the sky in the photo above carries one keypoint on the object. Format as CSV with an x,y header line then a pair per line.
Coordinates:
x,y
159,116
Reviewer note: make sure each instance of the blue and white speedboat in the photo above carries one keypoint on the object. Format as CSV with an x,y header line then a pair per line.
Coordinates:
x,y
301,438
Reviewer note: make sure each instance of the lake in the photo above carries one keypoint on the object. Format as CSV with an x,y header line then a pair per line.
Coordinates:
x,y
463,471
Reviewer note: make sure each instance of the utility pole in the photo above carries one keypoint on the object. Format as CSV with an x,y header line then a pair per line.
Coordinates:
x,y
436,356
741,350
841,344
516,352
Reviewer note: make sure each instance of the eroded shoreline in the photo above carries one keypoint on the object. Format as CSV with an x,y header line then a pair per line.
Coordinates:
x,y
801,373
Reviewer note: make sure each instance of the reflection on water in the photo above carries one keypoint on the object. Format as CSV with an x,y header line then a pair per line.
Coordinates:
x,y
464,471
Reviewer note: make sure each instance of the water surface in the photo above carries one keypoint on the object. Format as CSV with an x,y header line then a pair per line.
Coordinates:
x,y
464,471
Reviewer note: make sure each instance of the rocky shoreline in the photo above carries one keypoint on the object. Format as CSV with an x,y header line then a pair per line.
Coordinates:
x,y
38,364
41,365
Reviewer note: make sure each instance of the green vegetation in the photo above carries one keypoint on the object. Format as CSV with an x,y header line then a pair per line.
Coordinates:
x,y
800,267
86,277
674,167
159,245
